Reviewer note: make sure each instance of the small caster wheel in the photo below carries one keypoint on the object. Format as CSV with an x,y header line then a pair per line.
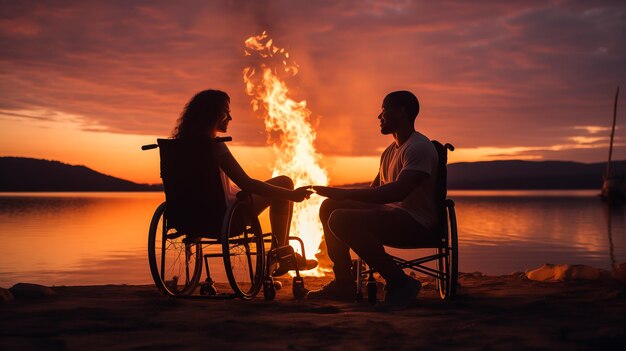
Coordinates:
x,y
359,296
299,291
172,285
269,291
207,288
278,285
371,291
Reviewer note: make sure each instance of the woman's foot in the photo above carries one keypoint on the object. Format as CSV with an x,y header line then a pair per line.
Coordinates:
x,y
285,266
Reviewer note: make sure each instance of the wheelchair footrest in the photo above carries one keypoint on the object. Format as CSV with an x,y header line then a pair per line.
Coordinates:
x,y
284,252
285,256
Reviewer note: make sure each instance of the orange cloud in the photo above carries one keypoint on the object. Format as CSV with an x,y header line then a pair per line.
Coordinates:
x,y
488,74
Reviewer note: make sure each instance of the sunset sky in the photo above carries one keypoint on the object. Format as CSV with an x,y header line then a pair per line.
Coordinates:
x,y
88,82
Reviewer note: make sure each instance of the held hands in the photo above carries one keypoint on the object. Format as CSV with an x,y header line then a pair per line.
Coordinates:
x,y
302,193
332,193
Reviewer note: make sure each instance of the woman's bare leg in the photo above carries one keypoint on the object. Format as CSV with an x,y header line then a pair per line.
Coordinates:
x,y
281,210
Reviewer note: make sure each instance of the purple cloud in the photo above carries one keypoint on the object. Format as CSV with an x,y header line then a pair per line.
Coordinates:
x,y
487,73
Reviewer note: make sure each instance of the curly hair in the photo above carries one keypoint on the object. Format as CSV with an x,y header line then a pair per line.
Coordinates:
x,y
200,114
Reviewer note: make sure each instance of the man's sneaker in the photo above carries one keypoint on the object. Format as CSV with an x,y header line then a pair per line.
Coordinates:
x,y
399,295
283,268
345,291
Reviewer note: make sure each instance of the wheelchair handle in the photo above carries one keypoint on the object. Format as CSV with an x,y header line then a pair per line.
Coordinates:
x,y
149,147
218,139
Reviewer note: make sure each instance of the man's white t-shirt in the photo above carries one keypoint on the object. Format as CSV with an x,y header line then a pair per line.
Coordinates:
x,y
230,189
417,154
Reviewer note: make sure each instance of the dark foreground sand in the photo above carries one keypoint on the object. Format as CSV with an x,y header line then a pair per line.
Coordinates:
x,y
501,313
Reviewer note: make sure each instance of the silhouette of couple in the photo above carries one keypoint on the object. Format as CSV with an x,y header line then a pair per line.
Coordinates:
x,y
398,209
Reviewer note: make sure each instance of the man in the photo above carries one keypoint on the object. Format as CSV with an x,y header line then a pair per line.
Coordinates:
x,y
398,209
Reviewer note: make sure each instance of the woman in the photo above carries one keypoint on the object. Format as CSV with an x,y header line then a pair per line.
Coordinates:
x,y
207,114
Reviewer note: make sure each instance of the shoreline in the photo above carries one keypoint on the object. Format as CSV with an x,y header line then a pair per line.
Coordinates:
x,y
494,312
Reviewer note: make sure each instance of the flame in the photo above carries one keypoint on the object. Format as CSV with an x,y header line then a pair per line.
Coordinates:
x,y
296,156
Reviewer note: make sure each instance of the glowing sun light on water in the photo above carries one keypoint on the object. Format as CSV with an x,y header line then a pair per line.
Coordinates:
x,y
296,156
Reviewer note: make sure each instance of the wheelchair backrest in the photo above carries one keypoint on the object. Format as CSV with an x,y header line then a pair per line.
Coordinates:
x,y
441,192
193,186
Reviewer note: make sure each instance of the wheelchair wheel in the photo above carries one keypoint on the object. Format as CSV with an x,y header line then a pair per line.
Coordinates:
x,y
175,259
454,245
443,266
243,250
448,264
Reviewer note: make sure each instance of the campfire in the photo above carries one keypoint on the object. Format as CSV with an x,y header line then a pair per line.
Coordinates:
x,y
289,132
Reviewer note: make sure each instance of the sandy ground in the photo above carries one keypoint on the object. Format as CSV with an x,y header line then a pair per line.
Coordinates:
x,y
495,313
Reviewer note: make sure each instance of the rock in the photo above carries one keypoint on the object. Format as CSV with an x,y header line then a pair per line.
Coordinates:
x,y
544,273
518,275
5,295
31,291
564,272
582,272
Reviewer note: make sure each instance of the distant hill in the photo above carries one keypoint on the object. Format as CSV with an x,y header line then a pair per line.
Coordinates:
x,y
28,174
519,175
499,175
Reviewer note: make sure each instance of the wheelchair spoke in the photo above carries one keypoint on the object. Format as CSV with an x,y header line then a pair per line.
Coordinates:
x,y
163,240
243,250
187,254
171,267
175,257
247,249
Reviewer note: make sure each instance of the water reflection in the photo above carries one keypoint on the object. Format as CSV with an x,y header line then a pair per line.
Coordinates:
x,y
101,238
510,231
85,238
613,213
503,232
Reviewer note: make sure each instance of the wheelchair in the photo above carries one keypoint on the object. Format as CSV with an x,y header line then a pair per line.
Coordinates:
x,y
195,224
446,256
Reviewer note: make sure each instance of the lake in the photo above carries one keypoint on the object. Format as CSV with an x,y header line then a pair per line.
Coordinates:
x,y
101,238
